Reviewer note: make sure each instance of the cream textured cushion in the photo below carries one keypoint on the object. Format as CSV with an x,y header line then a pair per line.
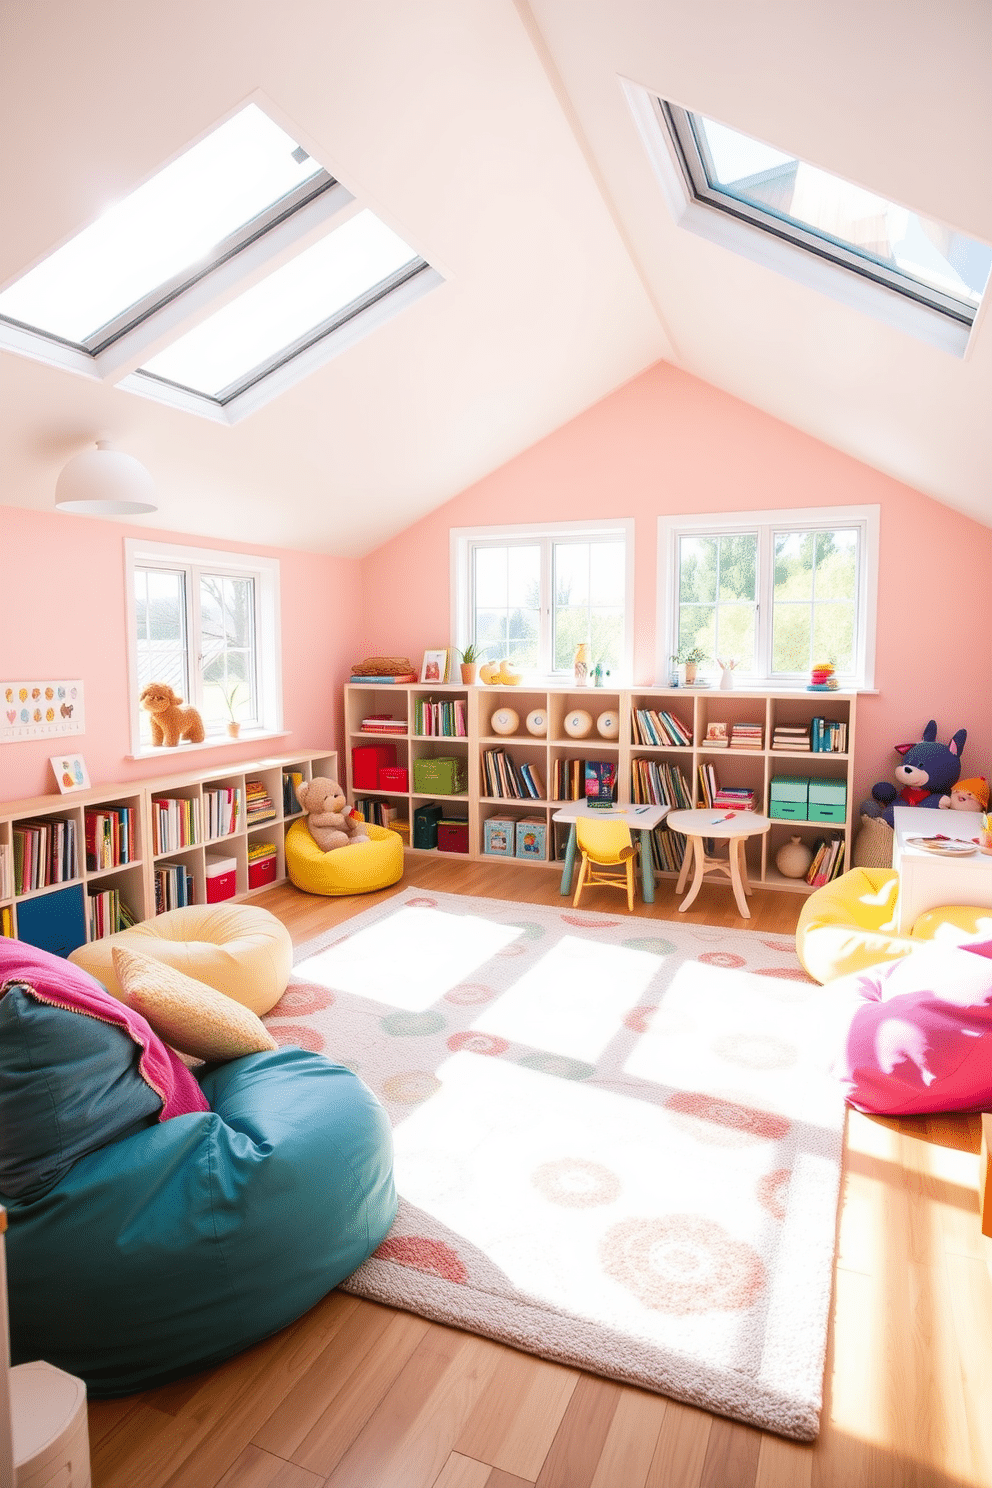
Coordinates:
x,y
192,1017
241,949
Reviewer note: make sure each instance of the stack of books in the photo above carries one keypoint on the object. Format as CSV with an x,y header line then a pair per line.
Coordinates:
x,y
828,860
260,807
175,823
792,739
734,798
173,886
747,736
662,729
654,784
382,814
717,736
393,678
383,723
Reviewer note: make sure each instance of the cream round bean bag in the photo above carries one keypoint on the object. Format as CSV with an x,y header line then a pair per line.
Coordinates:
x,y
358,869
240,949
850,924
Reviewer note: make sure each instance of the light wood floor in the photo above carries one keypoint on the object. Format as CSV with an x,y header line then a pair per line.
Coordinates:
x,y
355,1395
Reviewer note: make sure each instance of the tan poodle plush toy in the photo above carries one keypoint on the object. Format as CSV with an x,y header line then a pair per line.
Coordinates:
x,y
328,817
170,722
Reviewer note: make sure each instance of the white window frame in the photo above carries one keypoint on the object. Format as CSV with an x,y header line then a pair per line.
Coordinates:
x,y
891,307
268,644
797,519
462,541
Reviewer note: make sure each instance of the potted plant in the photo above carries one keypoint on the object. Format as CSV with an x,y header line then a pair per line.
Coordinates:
x,y
690,660
469,663
230,698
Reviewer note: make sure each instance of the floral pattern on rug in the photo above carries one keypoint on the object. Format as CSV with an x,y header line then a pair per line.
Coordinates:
x,y
616,1143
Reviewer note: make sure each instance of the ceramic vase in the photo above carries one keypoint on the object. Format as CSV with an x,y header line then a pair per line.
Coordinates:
x,y
505,721
793,858
578,723
726,679
690,673
582,664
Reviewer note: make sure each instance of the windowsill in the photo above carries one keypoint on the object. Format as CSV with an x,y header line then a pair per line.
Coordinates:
x,y
160,751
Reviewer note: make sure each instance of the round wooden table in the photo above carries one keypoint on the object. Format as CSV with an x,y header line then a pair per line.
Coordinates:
x,y
700,826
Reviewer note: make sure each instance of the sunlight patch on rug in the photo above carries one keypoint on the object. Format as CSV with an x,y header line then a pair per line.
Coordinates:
x,y
615,1141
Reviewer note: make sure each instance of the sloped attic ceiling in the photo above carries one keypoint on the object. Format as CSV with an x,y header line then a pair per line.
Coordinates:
x,y
494,138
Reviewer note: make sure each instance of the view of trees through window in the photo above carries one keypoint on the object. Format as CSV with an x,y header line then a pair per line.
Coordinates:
x,y
216,672
812,592
587,602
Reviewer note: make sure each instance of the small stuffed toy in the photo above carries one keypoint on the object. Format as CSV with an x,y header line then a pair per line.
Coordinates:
x,y
170,722
329,819
970,795
928,774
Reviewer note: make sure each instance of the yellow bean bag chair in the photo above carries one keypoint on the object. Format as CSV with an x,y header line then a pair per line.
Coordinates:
x,y
358,869
851,924
240,949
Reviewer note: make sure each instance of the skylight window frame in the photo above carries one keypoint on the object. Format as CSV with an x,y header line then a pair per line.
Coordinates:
x,y
696,162
771,250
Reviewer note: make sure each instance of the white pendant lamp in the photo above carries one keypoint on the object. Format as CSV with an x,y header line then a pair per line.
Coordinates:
x,y
102,482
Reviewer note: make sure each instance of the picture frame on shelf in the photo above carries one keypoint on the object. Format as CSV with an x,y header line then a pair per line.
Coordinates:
x,y
434,667
70,772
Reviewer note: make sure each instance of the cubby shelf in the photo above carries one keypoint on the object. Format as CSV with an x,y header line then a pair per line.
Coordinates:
x,y
23,914
695,709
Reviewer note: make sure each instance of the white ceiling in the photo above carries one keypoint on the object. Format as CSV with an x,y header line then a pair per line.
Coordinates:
x,y
494,137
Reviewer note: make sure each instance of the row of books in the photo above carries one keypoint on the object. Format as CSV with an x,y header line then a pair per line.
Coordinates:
x,y
109,836
503,777
382,814
583,780
828,861
175,823
259,806
723,735
447,719
107,912
173,886
667,850
6,872
651,727
44,853
819,736
659,784
290,803
224,808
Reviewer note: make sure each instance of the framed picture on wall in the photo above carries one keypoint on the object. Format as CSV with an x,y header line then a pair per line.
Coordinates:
x,y
70,772
434,667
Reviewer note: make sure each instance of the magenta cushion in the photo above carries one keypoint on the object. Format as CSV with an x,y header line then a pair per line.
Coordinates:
x,y
920,1034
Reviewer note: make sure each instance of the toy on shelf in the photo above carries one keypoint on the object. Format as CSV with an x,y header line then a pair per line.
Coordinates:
x,y
969,795
822,679
927,775
170,722
329,821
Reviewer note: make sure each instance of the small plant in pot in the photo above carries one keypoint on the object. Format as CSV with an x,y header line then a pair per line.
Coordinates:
x,y
231,698
690,660
469,663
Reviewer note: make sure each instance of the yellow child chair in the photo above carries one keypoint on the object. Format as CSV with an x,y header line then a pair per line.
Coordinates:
x,y
604,843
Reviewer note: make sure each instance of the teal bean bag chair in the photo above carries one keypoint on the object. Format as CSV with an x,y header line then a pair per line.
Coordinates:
x,y
178,1242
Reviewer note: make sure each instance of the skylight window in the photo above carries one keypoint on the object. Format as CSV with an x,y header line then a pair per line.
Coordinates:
x,y
141,285
303,300
167,232
833,234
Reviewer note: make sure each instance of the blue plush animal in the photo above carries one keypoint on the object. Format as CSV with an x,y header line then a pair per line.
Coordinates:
x,y
928,773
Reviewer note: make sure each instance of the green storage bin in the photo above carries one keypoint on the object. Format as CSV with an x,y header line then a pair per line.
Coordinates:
x,y
439,777
790,788
828,793
788,810
827,812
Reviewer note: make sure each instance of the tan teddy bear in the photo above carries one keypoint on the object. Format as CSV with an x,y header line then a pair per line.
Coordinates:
x,y
328,817
170,722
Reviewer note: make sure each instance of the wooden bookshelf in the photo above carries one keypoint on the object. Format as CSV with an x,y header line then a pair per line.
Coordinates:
x,y
135,878
696,708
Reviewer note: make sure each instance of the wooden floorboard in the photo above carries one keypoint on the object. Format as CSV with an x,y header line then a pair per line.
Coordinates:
x,y
355,1395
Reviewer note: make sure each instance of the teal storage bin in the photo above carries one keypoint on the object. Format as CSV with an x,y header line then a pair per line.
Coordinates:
x,y
788,798
425,820
828,792
823,811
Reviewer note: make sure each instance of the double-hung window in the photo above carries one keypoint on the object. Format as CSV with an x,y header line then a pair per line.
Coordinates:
x,y
205,623
776,592
533,594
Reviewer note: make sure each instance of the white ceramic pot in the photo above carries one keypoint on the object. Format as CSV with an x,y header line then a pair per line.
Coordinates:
x,y
608,725
537,722
793,858
505,721
578,723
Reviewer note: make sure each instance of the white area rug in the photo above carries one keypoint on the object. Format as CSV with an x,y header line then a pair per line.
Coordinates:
x,y
615,1144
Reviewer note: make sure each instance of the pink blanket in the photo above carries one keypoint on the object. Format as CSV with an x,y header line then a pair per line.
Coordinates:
x,y
64,985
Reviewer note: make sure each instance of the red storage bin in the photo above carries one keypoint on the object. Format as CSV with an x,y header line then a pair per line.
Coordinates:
x,y
366,762
262,871
222,879
452,836
394,777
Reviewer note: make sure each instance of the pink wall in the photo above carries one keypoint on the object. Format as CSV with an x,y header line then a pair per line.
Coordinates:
x,y
62,615
667,442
